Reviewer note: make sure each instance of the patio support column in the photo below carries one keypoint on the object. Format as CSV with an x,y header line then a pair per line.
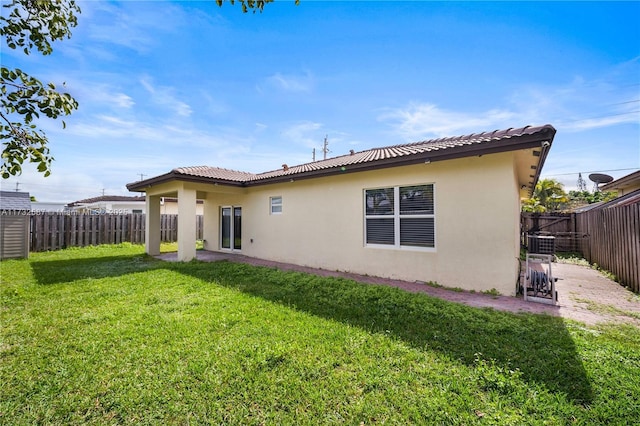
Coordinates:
x,y
186,224
152,225
210,224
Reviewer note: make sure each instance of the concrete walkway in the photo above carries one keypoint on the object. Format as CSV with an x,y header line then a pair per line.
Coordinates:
x,y
584,294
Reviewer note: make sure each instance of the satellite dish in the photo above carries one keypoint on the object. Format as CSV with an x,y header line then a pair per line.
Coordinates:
x,y
600,178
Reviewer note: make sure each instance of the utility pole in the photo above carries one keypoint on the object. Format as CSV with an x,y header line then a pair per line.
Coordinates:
x,y
17,186
325,147
314,155
142,176
103,192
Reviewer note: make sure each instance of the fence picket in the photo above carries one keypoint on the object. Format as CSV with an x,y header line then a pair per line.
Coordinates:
x,y
612,237
54,231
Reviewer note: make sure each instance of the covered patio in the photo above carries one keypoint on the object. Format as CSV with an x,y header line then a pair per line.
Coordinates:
x,y
187,192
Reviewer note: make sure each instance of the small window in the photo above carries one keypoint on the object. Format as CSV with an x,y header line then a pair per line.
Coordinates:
x,y
276,205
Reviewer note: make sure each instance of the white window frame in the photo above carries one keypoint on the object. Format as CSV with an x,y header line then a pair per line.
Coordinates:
x,y
396,216
273,203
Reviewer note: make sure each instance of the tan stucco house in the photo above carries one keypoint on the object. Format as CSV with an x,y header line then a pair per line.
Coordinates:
x,y
624,185
444,210
113,204
117,204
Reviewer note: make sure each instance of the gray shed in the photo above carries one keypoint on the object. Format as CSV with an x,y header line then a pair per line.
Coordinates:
x,y
15,214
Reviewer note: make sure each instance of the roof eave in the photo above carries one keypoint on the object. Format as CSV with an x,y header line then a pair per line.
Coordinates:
x,y
143,185
623,182
540,140
545,148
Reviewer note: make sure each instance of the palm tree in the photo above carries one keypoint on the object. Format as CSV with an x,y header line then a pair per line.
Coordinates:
x,y
548,195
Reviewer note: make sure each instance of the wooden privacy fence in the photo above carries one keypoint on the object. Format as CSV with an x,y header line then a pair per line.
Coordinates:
x,y
614,235
562,226
54,231
608,237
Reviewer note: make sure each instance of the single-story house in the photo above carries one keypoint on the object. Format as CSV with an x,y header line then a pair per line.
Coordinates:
x,y
40,207
628,191
444,210
624,185
15,220
117,204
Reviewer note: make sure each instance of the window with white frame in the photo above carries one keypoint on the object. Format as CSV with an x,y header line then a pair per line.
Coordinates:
x,y
400,216
276,205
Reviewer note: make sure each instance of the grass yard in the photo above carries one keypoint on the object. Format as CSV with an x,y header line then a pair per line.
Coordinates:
x,y
107,335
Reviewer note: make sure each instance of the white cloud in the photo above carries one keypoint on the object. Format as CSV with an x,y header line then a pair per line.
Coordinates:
x,y
292,83
304,133
161,133
63,185
584,104
631,117
419,121
111,24
164,96
577,106
121,100
103,97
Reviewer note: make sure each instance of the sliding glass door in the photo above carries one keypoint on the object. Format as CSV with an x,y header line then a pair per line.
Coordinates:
x,y
231,228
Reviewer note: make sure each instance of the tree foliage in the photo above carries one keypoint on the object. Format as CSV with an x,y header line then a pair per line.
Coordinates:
x,y
532,205
548,195
31,25
581,198
254,5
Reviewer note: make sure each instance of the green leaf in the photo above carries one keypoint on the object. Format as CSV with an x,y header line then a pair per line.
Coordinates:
x,y
28,25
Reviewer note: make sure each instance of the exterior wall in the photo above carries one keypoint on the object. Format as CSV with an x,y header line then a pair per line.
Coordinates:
x,y
171,207
152,228
322,224
186,224
629,189
111,207
211,224
43,206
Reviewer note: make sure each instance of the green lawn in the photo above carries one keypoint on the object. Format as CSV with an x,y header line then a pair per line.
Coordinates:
x,y
107,335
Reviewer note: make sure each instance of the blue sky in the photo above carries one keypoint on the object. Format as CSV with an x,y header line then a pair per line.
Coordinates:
x,y
169,84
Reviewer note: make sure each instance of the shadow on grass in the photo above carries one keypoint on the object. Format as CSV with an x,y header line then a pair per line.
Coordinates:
x,y
538,345
60,271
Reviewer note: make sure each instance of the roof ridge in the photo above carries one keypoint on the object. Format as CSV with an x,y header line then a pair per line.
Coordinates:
x,y
109,198
179,169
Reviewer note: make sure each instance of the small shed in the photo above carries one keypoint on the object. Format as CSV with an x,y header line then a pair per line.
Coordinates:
x,y
15,214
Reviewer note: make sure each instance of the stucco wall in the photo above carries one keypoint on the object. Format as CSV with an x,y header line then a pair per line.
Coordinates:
x,y
171,207
629,189
115,207
322,224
